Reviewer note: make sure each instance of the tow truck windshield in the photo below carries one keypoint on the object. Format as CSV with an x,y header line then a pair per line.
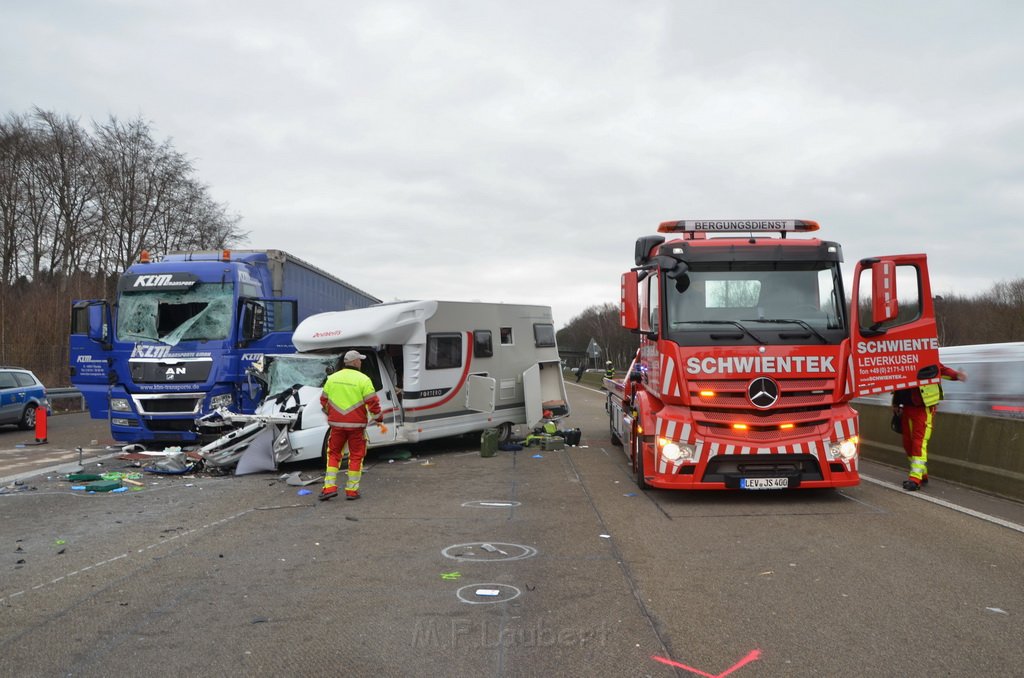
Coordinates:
x,y
753,302
201,313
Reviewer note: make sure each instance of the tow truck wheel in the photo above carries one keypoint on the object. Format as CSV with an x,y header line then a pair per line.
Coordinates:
x,y
28,418
638,463
616,441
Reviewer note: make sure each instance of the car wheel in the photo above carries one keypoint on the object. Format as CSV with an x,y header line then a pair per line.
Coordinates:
x,y
28,418
504,433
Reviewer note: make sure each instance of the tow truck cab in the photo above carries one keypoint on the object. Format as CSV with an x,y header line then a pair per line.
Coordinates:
x,y
750,354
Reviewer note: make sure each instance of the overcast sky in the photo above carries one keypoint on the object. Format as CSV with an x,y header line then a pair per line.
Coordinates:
x,y
514,151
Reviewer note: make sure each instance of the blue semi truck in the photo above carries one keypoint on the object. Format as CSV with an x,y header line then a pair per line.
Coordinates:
x,y
183,331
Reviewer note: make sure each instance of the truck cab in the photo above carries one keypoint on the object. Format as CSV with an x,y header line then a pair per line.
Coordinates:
x,y
183,331
750,354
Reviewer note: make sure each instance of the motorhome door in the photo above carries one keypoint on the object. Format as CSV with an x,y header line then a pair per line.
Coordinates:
x,y
380,369
543,388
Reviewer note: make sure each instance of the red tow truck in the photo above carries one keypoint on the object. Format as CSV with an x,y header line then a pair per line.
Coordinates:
x,y
750,354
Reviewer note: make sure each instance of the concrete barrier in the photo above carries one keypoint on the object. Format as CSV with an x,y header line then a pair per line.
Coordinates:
x,y
986,453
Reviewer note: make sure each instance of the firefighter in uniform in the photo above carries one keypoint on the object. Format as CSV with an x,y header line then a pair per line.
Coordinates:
x,y
609,370
347,398
916,409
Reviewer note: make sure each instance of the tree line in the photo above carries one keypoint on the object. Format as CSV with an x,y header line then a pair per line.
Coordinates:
x,y
78,204
993,316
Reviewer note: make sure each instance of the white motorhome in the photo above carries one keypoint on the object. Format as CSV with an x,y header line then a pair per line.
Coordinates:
x,y
440,368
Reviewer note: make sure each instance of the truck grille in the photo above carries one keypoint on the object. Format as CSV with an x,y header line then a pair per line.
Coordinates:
x,y
803,403
178,403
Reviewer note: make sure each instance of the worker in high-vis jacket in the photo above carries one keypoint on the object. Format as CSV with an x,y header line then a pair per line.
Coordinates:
x,y
609,369
916,409
350,401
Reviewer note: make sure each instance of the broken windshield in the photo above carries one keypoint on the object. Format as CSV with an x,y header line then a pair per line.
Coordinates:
x,y
201,313
285,371
799,301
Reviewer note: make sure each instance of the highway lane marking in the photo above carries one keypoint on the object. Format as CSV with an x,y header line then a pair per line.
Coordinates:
x,y
946,504
123,555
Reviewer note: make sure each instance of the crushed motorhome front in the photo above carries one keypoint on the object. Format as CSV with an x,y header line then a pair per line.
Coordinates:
x,y
440,368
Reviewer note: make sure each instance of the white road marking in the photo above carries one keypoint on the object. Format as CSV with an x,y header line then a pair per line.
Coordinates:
x,y
946,504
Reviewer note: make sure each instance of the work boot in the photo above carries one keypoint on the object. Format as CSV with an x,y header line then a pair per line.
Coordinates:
x,y
328,493
924,479
351,494
911,485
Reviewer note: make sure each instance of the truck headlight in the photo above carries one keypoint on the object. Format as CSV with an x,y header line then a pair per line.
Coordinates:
x,y
120,405
222,400
673,451
670,450
847,449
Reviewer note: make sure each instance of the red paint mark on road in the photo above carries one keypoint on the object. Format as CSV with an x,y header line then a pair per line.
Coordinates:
x,y
751,656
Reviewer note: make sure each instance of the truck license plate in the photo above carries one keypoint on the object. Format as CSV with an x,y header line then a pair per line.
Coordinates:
x,y
764,483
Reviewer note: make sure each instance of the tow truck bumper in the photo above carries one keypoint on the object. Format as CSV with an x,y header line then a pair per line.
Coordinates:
x,y
757,472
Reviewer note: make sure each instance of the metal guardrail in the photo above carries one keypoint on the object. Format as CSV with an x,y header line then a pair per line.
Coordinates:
x,y
65,398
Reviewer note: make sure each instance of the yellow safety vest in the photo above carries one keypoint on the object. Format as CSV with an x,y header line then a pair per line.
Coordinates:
x,y
931,394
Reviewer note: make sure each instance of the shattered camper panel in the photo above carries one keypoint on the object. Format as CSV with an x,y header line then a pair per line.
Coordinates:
x,y
440,368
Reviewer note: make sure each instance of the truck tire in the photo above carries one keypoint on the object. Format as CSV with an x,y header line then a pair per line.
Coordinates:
x,y
638,463
28,418
504,432
616,441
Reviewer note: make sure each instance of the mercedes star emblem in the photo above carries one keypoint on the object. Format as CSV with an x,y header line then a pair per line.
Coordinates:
x,y
763,392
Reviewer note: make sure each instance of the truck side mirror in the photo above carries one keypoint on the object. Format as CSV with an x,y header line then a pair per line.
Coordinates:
x,y
629,309
883,291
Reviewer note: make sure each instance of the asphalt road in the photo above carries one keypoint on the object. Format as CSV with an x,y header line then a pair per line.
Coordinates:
x,y
226,576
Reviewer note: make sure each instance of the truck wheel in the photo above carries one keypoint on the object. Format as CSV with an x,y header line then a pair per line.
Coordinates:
x,y
504,432
638,464
28,418
616,441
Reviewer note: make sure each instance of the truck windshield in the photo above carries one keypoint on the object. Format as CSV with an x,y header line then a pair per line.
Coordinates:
x,y
756,302
201,313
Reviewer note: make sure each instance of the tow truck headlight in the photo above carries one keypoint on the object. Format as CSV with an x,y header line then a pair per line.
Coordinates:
x,y
847,449
222,400
673,451
120,405
670,450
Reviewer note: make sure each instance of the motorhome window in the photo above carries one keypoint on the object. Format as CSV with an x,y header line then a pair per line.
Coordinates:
x,y
544,335
444,351
201,313
482,346
506,336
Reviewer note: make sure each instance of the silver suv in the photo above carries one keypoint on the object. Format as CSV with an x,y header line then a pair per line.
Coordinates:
x,y
21,394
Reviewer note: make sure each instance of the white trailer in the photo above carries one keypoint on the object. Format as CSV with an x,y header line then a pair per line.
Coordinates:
x,y
440,368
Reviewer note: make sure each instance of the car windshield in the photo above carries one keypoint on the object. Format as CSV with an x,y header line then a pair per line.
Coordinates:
x,y
203,312
756,302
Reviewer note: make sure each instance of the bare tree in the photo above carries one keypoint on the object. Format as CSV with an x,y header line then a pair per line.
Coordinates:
x,y
65,167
